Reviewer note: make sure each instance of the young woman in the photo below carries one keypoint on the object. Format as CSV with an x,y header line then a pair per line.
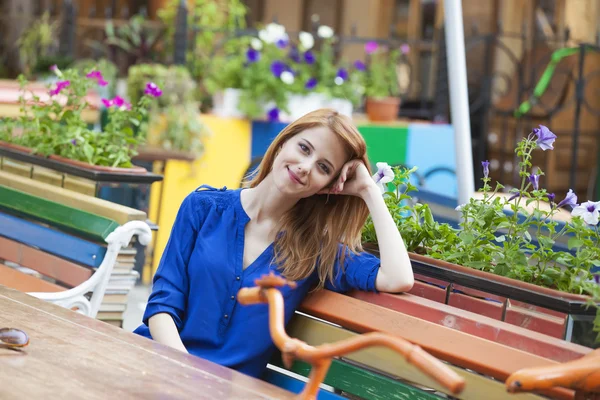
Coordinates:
x,y
300,216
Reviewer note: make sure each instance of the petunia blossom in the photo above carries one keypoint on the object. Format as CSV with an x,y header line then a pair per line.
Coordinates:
x,y
295,54
287,77
569,200
310,84
551,197
60,85
545,138
371,47
97,76
252,55
306,40
277,68
273,114
152,89
383,176
342,73
588,211
534,179
325,32
486,168
359,65
309,57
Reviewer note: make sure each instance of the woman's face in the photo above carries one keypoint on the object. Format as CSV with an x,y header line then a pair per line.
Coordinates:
x,y
308,162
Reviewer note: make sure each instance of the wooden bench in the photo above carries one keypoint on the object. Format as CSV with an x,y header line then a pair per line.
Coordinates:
x,y
58,250
378,373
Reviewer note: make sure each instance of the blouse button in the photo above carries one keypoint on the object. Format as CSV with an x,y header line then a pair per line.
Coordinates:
x,y
232,297
237,278
226,316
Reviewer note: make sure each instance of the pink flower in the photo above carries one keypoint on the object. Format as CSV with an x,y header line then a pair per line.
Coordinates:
x,y
371,47
153,90
60,85
107,103
118,102
97,75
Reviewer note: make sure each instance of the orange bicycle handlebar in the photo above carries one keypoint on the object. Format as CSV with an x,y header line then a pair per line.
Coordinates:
x,y
320,357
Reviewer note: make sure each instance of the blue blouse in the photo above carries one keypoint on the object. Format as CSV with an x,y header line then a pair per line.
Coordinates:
x,y
200,274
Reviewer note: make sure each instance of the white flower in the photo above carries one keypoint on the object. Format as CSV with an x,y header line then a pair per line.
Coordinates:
x,y
383,176
459,207
287,77
272,33
306,40
256,44
588,211
325,32
338,80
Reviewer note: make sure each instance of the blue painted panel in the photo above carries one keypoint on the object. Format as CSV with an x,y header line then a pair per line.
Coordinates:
x,y
295,386
54,242
431,149
263,133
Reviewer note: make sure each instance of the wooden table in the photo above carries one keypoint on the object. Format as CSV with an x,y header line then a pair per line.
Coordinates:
x,y
71,356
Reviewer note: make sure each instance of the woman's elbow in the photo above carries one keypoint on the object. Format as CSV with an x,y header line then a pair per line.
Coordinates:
x,y
399,285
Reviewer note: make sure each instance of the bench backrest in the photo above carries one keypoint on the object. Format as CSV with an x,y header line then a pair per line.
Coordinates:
x,y
328,317
68,247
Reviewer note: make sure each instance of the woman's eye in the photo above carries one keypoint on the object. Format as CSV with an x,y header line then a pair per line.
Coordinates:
x,y
304,148
325,168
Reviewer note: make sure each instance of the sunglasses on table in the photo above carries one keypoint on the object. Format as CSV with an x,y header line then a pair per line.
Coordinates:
x,y
13,338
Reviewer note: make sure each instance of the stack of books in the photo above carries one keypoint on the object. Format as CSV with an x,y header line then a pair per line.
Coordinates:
x,y
122,280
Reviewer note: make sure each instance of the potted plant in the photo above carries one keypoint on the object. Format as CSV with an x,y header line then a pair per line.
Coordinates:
x,y
53,126
174,125
384,75
511,239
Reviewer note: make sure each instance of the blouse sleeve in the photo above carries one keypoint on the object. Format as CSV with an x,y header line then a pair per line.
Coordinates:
x,y
170,286
359,272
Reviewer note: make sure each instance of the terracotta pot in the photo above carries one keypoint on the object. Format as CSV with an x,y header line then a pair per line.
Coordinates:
x,y
382,109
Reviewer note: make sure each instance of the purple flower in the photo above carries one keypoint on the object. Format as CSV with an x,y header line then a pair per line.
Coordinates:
x,y
309,57
282,43
486,168
295,54
545,138
569,200
152,89
371,47
74,142
534,179
54,68
342,73
252,55
60,85
277,67
551,197
404,48
273,114
311,84
359,65
514,196
589,211
383,176
97,75
117,101
597,279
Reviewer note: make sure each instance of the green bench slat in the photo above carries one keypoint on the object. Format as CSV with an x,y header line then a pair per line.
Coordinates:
x,y
58,215
361,382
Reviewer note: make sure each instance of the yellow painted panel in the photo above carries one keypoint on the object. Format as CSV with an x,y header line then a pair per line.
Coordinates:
x,y
225,160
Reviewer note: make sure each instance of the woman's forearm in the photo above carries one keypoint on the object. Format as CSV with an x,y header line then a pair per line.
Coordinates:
x,y
395,273
163,330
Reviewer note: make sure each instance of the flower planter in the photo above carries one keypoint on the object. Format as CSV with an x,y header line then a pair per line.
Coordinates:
x,y
81,169
383,109
552,312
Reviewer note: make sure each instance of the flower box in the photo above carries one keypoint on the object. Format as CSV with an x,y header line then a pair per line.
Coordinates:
x,y
77,168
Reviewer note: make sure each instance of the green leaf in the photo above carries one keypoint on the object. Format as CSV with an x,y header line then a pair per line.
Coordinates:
x,y
574,243
88,151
